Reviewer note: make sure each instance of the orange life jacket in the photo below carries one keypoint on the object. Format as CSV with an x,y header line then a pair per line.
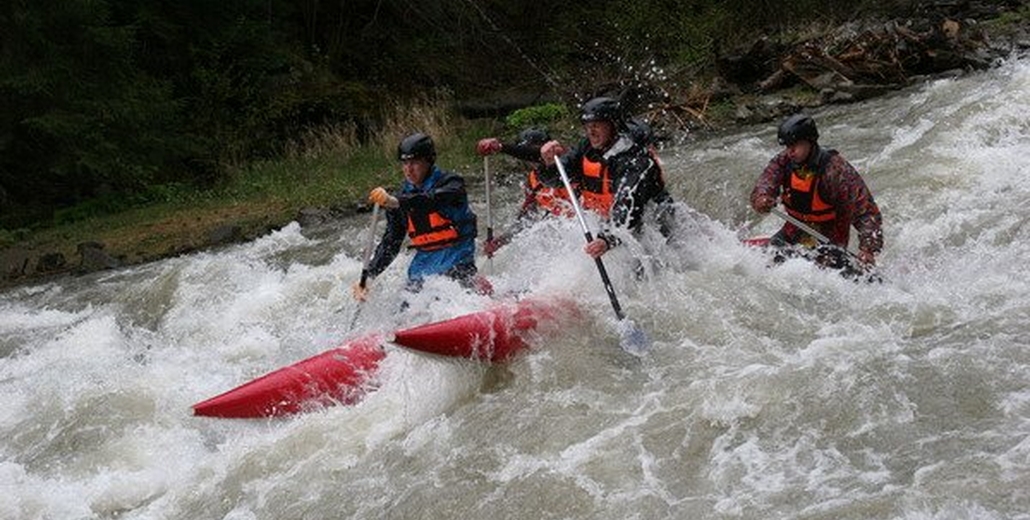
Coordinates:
x,y
553,200
802,200
596,188
430,230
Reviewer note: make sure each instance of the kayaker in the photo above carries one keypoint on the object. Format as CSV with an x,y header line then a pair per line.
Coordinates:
x,y
616,176
544,194
820,188
432,210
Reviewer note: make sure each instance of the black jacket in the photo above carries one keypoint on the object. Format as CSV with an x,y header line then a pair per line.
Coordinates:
x,y
635,176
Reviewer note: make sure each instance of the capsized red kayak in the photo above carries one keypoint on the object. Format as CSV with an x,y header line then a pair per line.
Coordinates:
x,y
494,334
338,376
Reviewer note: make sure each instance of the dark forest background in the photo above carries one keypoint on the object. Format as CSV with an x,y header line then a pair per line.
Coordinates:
x,y
120,98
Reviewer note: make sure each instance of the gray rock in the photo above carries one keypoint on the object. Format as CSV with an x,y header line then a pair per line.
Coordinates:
x,y
225,234
14,263
94,258
51,262
308,217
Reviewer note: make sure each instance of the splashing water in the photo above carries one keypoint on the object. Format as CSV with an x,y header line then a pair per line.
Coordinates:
x,y
769,392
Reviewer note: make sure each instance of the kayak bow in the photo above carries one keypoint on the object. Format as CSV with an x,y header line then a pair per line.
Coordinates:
x,y
340,375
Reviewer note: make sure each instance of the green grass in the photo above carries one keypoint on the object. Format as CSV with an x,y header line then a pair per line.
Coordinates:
x,y
326,168
1009,23
256,197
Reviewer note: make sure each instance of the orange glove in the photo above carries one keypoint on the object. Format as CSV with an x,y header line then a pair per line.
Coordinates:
x,y
488,146
380,197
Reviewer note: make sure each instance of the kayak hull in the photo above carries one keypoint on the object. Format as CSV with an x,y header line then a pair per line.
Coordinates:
x,y
338,376
494,334
756,241
343,375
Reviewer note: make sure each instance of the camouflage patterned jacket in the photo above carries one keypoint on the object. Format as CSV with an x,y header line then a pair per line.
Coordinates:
x,y
839,185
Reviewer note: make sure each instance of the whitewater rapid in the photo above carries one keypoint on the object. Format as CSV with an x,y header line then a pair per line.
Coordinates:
x,y
770,392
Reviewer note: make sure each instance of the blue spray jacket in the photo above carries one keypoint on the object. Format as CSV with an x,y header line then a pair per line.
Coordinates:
x,y
441,192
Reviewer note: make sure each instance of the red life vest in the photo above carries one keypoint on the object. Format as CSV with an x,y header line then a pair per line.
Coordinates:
x,y
430,230
596,189
802,200
552,200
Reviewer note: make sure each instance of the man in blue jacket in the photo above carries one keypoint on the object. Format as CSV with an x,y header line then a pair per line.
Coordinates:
x,y
432,209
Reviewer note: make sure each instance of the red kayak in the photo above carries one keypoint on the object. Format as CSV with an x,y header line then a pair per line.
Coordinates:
x,y
494,334
345,374
341,375
756,241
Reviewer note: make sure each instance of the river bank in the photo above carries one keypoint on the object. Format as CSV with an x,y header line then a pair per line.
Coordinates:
x,y
758,84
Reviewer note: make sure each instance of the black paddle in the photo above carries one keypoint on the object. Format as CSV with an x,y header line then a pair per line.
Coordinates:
x,y
631,338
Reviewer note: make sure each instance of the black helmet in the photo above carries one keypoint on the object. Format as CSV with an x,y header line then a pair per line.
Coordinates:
x,y
602,109
533,137
797,127
416,146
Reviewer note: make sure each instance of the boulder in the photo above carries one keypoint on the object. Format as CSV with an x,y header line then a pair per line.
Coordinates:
x,y
94,258
309,217
224,234
14,263
51,262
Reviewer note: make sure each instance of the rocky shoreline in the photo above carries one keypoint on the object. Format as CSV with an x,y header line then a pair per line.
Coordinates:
x,y
844,64
761,83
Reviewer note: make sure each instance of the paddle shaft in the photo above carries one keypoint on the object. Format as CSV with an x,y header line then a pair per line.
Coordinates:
x,y
808,229
590,238
489,209
366,261
367,256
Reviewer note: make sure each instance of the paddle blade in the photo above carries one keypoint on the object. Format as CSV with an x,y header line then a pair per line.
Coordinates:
x,y
632,339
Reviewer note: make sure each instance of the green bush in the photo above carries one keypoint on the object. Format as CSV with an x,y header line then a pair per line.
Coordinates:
x,y
7,238
539,115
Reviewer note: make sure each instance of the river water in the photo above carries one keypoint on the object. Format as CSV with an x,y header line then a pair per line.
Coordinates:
x,y
783,392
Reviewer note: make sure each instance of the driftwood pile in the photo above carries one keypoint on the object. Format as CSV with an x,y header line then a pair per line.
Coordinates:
x,y
859,62
853,62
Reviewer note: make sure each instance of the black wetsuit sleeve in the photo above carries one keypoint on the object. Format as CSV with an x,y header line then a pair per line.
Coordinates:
x,y
529,153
